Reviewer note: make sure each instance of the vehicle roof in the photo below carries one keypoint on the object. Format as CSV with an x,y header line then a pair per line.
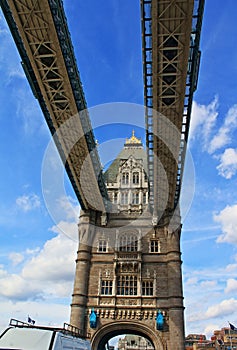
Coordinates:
x,y
18,338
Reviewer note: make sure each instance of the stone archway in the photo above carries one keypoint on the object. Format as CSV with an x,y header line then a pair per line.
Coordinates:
x,y
105,333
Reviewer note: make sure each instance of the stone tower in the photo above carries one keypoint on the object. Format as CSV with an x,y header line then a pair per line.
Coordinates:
x,y
128,272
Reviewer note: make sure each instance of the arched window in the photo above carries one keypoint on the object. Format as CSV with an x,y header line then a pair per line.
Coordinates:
x,y
135,178
128,242
125,178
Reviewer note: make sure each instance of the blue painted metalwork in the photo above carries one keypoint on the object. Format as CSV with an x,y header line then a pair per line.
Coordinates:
x,y
93,319
159,321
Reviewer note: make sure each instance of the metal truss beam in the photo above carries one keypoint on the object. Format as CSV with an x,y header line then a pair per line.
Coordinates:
x,y
41,34
170,35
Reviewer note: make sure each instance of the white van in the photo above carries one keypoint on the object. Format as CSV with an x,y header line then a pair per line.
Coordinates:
x,y
22,336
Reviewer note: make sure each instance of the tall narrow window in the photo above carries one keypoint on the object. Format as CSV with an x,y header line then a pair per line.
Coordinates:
x,y
147,288
135,198
106,287
125,178
124,198
135,178
144,198
154,246
115,197
127,285
102,246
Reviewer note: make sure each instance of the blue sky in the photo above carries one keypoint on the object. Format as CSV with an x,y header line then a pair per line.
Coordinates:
x,y
33,242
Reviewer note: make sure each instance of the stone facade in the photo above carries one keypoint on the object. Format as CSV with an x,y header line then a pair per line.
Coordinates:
x,y
134,342
129,270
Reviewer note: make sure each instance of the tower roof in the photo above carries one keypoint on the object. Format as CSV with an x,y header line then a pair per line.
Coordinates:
x,y
132,147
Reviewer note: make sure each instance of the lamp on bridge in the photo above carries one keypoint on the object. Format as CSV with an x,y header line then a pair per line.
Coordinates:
x,y
93,319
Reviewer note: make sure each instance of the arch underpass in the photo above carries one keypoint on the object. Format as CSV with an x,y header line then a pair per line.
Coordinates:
x,y
105,333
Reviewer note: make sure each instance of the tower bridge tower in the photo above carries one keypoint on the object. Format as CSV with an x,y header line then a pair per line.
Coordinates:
x,y
128,273
128,268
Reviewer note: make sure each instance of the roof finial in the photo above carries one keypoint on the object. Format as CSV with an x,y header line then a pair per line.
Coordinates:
x,y
133,139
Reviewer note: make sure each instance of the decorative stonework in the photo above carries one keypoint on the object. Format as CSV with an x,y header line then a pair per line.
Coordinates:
x,y
127,314
133,269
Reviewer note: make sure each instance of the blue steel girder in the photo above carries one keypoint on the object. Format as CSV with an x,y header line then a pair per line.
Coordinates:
x,y
41,34
170,37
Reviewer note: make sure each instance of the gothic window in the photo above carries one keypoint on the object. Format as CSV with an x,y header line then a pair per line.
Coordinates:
x,y
125,178
127,285
128,243
102,245
154,246
115,197
144,198
145,177
106,287
147,288
135,178
124,198
135,198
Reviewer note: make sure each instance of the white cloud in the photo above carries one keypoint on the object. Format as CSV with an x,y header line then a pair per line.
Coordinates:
x,y
192,281
69,206
15,287
47,272
208,284
28,202
50,272
203,120
228,163
231,286
204,291
69,229
209,329
203,126
16,258
224,308
228,220
54,263
223,137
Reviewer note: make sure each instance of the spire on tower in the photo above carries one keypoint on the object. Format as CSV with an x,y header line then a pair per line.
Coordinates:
x,y
133,140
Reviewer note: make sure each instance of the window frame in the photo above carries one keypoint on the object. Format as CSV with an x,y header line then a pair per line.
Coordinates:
x,y
102,245
148,288
135,198
136,178
127,285
128,242
125,178
124,198
154,246
106,287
